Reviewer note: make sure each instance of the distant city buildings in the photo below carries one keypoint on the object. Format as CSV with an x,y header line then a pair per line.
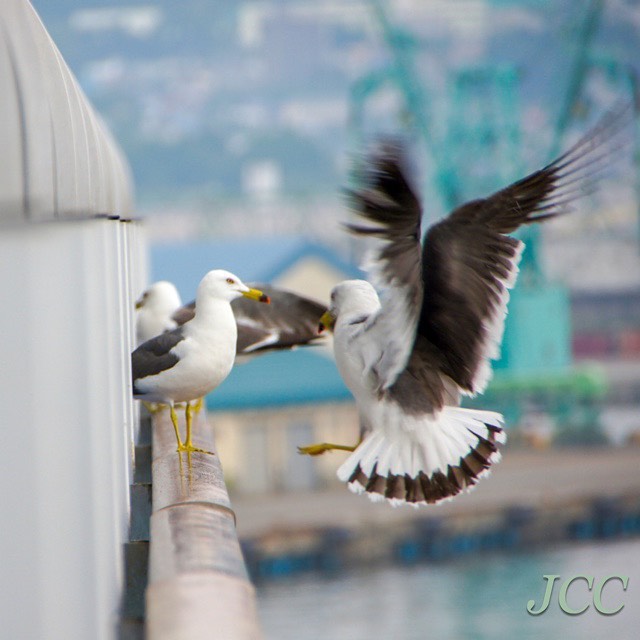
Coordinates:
x,y
238,116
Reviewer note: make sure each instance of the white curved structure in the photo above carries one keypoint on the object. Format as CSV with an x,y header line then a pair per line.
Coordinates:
x,y
71,264
63,161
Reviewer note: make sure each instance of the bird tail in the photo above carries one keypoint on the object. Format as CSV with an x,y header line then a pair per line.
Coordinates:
x,y
425,460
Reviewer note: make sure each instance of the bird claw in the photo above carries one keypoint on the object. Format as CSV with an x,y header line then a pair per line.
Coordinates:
x,y
312,450
322,447
189,448
153,407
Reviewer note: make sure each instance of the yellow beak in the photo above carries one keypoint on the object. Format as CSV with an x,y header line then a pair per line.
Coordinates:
x,y
256,294
327,321
139,304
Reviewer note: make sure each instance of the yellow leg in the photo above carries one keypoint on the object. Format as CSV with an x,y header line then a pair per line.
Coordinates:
x,y
323,447
153,407
197,407
174,420
188,445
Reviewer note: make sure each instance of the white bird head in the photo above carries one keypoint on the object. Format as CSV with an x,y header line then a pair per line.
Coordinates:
x,y
223,285
160,296
349,299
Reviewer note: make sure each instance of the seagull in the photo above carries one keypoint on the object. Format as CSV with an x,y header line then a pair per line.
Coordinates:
x,y
155,309
188,362
409,354
290,320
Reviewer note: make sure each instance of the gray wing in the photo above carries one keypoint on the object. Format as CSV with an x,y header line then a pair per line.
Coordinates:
x,y
184,313
392,215
290,320
155,355
469,262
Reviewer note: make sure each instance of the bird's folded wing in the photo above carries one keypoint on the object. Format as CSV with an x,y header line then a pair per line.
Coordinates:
x,y
289,320
392,216
469,263
156,355
185,313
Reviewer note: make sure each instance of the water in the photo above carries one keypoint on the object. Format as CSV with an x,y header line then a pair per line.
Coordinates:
x,y
473,599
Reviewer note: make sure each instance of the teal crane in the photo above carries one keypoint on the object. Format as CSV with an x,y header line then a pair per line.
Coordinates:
x,y
495,135
538,335
416,114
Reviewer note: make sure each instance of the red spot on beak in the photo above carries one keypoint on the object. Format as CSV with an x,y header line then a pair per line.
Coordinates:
x,y
265,298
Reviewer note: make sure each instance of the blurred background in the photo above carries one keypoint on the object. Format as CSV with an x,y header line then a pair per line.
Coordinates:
x,y
241,121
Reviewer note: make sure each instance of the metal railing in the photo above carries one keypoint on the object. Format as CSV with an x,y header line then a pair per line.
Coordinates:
x,y
198,582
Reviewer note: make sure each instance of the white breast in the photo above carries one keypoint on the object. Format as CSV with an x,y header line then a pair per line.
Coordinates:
x,y
206,356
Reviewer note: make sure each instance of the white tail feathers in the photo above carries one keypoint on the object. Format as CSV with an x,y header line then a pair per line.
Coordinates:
x,y
425,459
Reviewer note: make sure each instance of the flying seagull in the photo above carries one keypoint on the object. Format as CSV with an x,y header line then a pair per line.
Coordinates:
x,y
289,321
409,355
188,362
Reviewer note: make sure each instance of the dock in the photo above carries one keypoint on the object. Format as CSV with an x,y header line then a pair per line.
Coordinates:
x,y
532,498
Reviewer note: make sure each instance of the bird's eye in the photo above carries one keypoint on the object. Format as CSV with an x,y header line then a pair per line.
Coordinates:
x,y
231,281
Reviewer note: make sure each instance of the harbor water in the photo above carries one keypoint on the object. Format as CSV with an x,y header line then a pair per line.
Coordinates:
x,y
481,597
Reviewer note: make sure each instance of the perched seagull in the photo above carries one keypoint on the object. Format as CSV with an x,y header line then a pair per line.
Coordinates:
x,y
188,362
289,321
409,355
155,309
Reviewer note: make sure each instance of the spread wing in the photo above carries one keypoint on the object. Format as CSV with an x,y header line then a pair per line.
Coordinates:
x,y
391,215
469,263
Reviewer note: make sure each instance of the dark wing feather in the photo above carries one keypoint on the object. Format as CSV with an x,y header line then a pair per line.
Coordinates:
x,y
469,264
154,356
289,321
185,313
392,215
421,389
546,193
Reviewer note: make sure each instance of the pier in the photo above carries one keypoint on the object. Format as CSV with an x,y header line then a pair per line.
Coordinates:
x,y
532,498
